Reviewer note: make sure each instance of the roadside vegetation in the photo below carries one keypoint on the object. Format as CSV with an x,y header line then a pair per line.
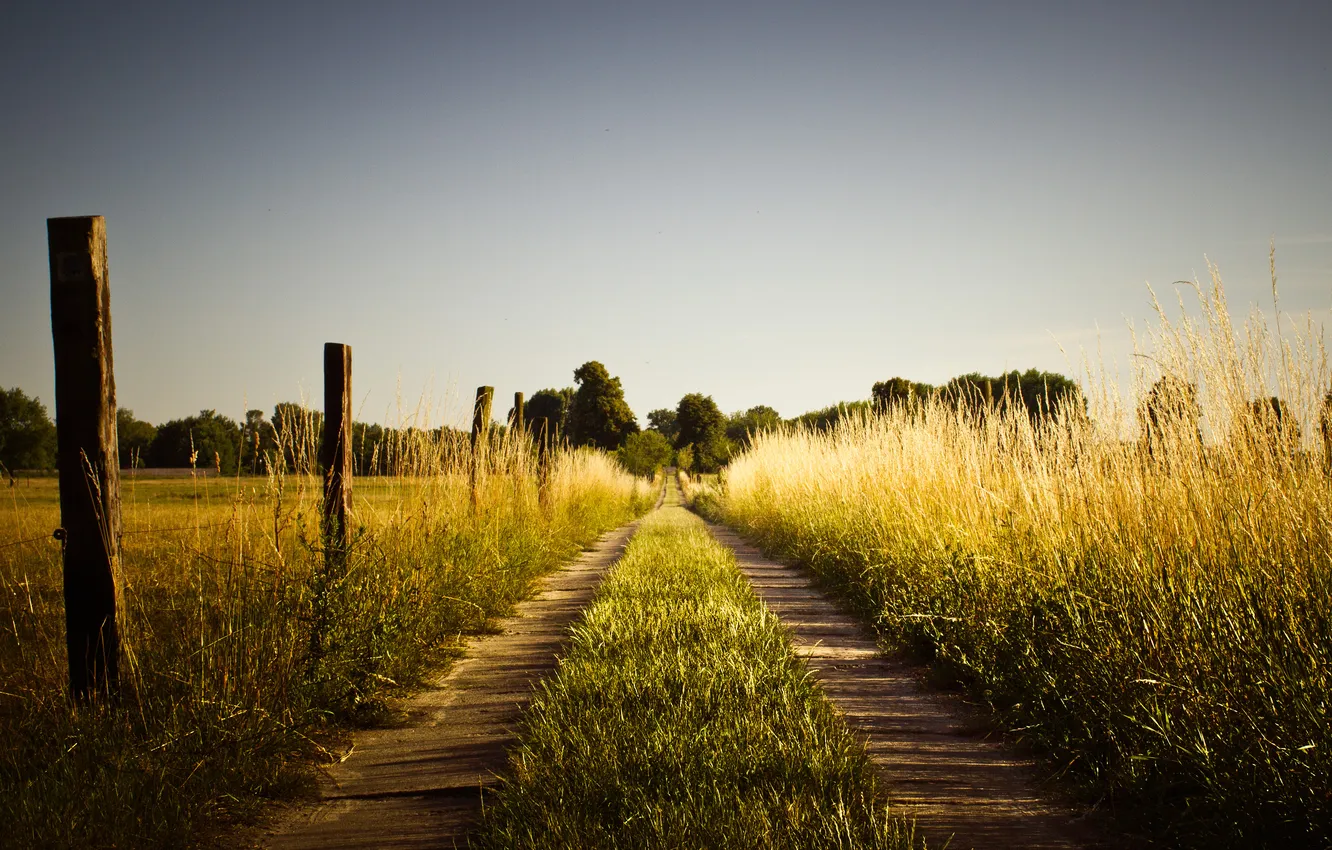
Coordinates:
x,y
1145,592
681,717
243,656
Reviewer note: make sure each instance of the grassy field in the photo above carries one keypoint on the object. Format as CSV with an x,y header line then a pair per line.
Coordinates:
x,y
681,717
224,702
1154,614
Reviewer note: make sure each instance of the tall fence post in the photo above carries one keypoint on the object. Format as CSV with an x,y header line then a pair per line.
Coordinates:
x,y
85,403
336,459
485,396
517,422
336,451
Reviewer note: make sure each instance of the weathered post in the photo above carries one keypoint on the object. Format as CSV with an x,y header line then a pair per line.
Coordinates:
x,y
480,431
335,453
517,422
85,402
485,396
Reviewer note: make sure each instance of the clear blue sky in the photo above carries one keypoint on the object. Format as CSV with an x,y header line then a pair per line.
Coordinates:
x,y
769,203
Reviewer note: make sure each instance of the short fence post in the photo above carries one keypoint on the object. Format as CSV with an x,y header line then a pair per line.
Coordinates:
x,y
85,403
335,452
480,431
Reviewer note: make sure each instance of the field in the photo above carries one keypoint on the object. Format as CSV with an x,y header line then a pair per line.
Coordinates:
x,y
243,656
1139,589
1146,600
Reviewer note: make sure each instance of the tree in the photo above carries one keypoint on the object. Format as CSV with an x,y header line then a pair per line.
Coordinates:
x,y
370,454
134,438
898,392
208,440
645,452
828,417
1170,415
258,443
662,420
1275,428
27,435
298,431
703,426
698,420
1042,395
684,458
599,415
547,413
742,426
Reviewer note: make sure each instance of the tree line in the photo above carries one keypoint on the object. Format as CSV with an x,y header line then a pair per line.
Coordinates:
x,y
593,412
695,435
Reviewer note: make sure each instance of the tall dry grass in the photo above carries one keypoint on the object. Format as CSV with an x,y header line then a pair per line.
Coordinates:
x,y
1148,600
227,694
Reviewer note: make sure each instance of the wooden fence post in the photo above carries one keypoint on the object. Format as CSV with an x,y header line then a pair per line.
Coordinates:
x,y
485,396
517,422
85,403
336,452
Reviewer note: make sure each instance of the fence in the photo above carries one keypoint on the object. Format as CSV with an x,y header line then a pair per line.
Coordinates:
x,y
90,530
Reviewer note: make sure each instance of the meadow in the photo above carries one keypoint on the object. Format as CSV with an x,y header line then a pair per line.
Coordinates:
x,y
245,659
681,717
1143,593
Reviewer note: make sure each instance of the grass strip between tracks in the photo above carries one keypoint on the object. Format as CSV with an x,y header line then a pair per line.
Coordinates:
x,y
681,717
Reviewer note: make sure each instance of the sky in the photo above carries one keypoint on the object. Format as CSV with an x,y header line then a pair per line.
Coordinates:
x,y
770,203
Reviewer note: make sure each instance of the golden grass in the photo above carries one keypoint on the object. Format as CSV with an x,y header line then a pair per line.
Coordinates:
x,y
223,702
1155,612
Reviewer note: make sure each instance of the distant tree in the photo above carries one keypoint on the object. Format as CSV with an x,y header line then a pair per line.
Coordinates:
x,y
645,452
370,451
1274,425
547,412
898,392
703,427
742,426
684,458
206,441
1170,415
27,435
599,415
297,432
662,420
828,417
134,438
698,420
1042,395
258,443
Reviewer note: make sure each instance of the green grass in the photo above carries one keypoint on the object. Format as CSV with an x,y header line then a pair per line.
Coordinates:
x,y
223,705
681,718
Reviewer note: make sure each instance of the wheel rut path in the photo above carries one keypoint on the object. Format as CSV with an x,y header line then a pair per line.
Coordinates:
x,y
963,789
419,783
